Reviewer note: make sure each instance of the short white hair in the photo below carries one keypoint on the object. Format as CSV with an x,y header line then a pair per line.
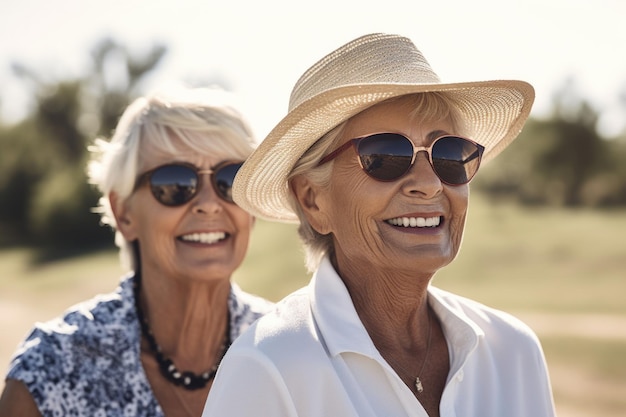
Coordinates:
x,y
205,121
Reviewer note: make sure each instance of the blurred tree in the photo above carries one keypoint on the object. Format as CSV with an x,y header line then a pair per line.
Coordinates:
x,y
561,160
43,187
115,79
21,167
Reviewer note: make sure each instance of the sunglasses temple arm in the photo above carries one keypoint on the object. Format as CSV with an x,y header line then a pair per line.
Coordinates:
x,y
335,153
473,156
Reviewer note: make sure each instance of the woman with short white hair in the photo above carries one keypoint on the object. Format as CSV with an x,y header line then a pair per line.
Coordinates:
x,y
151,348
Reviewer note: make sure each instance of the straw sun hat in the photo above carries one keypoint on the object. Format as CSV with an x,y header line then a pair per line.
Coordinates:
x,y
356,76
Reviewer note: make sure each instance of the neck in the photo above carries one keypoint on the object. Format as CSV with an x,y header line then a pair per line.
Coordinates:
x,y
392,305
187,325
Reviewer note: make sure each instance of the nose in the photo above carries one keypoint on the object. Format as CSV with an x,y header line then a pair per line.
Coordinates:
x,y
206,200
421,178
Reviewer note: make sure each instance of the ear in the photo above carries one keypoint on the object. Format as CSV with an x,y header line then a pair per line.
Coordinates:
x,y
311,200
123,217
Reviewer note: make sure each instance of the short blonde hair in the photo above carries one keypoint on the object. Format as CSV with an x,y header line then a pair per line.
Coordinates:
x,y
435,106
205,121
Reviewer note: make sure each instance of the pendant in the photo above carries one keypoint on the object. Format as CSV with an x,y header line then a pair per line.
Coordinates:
x,y
418,385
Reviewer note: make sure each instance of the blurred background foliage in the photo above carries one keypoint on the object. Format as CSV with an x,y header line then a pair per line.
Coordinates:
x,y
46,201
560,160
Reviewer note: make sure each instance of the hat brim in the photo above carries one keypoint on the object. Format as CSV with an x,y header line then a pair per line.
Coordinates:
x,y
495,110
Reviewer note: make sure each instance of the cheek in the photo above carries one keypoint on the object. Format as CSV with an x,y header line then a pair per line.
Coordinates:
x,y
155,223
158,244
459,200
457,228
356,202
345,205
160,235
244,224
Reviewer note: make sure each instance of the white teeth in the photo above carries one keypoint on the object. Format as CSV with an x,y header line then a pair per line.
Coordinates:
x,y
206,238
415,221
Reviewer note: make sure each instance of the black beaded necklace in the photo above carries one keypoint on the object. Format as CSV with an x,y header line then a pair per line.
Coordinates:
x,y
186,379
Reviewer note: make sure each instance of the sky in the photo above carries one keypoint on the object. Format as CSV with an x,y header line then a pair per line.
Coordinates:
x,y
262,47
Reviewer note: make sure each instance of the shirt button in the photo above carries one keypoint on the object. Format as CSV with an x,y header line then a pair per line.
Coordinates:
x,y
459,376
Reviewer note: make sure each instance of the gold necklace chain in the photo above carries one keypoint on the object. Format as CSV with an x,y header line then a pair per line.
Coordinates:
x,y
419,387
182,401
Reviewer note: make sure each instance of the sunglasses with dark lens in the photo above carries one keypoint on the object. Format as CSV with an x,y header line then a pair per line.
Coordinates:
x,y
389,156
177,184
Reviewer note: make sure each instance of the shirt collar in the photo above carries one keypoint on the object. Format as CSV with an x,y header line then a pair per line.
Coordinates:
x,y
461,332
343,330
335,314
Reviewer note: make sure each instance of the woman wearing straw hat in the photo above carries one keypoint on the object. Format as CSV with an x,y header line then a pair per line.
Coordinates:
x,y
374,160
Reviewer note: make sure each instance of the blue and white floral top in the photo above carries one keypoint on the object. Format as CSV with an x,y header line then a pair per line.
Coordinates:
x,y
86,363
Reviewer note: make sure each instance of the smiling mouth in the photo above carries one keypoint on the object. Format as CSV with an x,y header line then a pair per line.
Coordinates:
x,y
205,238
415,221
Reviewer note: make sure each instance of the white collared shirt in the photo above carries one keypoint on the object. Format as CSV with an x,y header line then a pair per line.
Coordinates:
x,y
313,357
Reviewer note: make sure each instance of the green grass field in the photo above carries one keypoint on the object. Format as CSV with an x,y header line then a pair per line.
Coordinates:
x,y
564,272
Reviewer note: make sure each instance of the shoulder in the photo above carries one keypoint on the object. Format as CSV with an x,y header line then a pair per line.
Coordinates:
x,y
97,318
240,300
89,357
494,352
291,315
286,330
492,323
82,321
276,351
95,329
245,309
